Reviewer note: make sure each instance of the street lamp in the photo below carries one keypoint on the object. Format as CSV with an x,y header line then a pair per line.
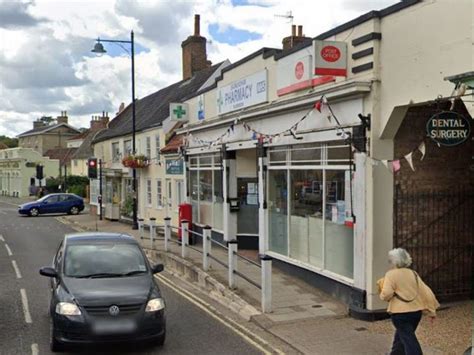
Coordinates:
x,y
99,48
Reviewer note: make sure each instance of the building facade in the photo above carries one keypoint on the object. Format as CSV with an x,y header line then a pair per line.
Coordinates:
x,y
300,153
18,171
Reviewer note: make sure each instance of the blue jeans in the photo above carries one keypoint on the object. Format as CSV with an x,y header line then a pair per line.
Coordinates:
x,y
405,341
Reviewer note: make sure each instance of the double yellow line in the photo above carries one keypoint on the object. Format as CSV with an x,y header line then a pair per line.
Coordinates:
x,y
241,331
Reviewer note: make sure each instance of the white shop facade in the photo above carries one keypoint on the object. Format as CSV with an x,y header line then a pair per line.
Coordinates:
x,y
290,191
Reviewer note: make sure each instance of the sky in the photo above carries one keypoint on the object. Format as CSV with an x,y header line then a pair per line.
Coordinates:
x,y
46,64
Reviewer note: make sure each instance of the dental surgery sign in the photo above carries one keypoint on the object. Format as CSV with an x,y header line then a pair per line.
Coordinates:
x,y
245,92
448,128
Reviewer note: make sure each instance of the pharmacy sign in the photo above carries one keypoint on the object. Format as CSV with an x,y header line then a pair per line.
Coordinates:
x,y
448,128
179,112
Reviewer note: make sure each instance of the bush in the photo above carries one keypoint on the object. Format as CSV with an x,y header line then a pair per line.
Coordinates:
x,y
79,190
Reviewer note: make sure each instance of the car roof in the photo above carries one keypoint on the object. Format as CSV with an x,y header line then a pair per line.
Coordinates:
x,y
98,237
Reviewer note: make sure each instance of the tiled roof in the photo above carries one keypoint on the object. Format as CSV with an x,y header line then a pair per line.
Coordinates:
x,y
80,136
153,109
45,129
64,155
85,150
173,145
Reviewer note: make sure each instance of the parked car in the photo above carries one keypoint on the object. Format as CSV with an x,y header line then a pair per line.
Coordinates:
x,y
103,290
53,203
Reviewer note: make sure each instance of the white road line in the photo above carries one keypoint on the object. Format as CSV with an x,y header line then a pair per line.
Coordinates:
x,y
26,310
34,349
17,270
228,322
1,238
9,251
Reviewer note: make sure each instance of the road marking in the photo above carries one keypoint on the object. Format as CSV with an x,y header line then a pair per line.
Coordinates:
x,y
9,251
228,322
1,238
17,270
26,310
34,349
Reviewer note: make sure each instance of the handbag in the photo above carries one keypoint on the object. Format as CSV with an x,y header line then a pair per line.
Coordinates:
x,y
417,290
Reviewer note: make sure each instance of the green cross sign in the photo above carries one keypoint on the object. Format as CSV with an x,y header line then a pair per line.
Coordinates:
x,y
179,111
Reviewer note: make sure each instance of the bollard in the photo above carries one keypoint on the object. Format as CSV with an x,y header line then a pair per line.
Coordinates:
x,y
140,227
152,230
266,283
232,252
206,247
184,238
167,232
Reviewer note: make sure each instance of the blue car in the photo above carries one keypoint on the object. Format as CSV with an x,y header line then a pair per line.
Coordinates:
x,y
53,203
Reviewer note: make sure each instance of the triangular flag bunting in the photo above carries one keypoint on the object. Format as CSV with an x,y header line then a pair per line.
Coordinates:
x,y
396,165
318,105
422,149
387,164
409,159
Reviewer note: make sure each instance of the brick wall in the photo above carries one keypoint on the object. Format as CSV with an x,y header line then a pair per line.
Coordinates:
x,y
434,205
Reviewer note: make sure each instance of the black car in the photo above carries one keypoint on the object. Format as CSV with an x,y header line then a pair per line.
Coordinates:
x,y
103,290
53,203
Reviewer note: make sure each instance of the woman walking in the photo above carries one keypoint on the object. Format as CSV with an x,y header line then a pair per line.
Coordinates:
x,y
407,296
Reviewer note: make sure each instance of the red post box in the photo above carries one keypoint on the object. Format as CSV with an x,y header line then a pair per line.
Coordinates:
x,y
185,214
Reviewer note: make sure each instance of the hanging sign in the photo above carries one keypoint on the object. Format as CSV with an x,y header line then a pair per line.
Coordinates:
x,y
330,58
179,112
245,92
448,128
293,74
174,166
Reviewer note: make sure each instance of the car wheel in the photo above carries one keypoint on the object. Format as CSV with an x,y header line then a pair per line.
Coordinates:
x,y
34,212
54,345
74,210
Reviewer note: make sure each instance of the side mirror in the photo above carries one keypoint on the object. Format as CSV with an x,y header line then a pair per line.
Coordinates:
x,y
48,272
157,268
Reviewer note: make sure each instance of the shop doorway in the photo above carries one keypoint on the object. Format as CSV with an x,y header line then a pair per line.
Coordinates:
x,y
247,218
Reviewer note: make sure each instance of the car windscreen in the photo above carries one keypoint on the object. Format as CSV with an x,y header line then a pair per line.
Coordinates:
x,y
110,259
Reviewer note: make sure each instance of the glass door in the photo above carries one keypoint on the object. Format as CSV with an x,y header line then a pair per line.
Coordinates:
x,y
247,217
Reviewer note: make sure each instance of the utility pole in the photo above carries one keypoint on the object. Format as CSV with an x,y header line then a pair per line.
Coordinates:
x,y
100,189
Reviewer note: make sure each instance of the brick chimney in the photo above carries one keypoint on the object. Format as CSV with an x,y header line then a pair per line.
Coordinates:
x,y
100,122
38,123
62,118
194,52
294,39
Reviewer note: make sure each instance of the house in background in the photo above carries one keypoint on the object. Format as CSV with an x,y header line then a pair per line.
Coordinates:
x,y
83,144
48,133
18,171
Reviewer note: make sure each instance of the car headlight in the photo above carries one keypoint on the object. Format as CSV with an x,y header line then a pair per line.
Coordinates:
x,y
67,309
154,305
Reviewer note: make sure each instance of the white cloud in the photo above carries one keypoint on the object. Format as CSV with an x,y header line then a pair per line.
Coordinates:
x,y
46,65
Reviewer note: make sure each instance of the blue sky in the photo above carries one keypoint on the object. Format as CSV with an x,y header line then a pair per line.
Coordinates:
x,y
231,35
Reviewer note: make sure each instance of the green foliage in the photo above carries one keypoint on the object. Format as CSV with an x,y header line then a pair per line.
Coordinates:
x,y
9,142
79,190
127,206
73,180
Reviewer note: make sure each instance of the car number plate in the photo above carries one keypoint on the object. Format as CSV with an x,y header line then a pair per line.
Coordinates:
x,y
119,326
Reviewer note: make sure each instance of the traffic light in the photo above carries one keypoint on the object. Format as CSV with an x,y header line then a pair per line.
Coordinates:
x,y
92,168
39,172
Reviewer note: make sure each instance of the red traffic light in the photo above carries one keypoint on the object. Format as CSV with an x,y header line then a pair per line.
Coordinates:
x,y
92,163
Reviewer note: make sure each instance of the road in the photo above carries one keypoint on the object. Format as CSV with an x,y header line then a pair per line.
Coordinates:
x,y
28,243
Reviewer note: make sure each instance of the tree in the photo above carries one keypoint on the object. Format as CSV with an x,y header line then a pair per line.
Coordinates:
x,y
9,142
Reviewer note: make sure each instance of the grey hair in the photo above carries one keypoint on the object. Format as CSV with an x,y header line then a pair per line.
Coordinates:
x,y
399,257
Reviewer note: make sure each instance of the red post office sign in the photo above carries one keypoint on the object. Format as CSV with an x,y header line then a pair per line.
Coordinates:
x,y
330,58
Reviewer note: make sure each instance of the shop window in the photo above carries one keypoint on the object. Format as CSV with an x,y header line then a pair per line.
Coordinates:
x,y
179,185
205,197
218,205
278,156
194,192
339,241
338,153
306,217
278,211
305,154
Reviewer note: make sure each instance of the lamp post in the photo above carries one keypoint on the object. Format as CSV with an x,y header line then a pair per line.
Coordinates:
x,y
99,48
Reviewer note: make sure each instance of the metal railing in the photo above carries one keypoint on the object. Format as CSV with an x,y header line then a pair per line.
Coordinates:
x,y
233,256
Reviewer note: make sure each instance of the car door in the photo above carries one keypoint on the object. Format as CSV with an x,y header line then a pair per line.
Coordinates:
x,y
57,260
65,203
49,204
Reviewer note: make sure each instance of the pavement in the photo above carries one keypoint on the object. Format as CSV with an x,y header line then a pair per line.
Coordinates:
x,y
195,325
306,319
